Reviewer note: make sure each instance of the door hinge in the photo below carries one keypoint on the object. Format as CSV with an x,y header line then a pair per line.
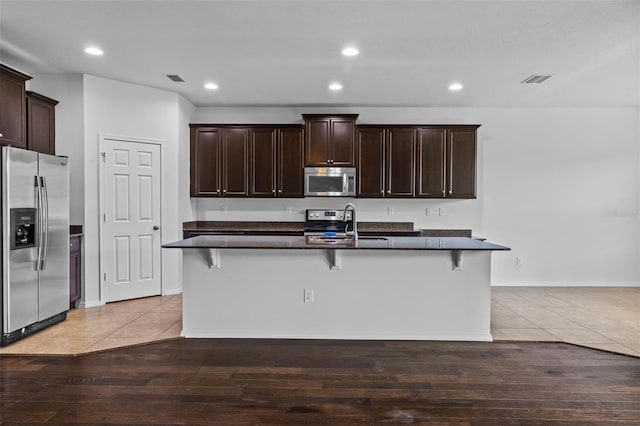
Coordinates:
x,y
104,156
104,217
105,276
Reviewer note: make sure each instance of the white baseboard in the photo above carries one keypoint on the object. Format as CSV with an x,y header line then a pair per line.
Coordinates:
x,y
567,284
172,292
89,304
206,334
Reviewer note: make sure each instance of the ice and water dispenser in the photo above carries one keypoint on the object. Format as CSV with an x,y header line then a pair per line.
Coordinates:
x,y
22,228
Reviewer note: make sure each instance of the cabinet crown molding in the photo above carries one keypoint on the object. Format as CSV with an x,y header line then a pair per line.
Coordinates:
x,y
15,73
43,98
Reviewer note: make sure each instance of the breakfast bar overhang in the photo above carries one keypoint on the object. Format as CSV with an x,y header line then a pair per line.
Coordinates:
x,y
404,288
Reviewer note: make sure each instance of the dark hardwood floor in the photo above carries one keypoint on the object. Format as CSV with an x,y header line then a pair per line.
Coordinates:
x,y
299,382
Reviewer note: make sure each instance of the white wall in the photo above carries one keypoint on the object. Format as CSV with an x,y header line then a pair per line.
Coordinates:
x,y
67,89
560,186
123,109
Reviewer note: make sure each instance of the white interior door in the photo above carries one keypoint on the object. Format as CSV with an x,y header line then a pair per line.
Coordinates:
x,y
130,237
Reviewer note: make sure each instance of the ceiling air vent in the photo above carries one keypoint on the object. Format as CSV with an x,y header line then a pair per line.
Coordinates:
x,y
535,79
175,78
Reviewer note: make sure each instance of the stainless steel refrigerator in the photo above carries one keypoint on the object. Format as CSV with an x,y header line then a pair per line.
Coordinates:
x,y
35,242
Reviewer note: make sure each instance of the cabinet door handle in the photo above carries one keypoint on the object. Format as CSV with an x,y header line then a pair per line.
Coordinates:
x,y
273,191
451,167
1,135
444,168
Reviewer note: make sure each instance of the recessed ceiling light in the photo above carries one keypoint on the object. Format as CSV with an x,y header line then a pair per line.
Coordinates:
x,y
350,51
93,51
211,86
335,86
455,86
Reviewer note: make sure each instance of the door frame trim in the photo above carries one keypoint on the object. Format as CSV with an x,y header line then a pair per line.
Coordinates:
x,y
104,139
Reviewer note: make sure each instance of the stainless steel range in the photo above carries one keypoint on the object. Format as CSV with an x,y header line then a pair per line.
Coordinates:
x,y
329,222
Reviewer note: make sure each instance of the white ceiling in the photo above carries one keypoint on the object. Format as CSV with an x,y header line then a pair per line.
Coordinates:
x,y
276,52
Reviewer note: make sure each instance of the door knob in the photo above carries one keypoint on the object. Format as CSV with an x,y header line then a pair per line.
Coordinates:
x,y
156,227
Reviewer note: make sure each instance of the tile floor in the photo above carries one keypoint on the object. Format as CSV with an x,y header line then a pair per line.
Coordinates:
x,y
109,326
602,318
605,318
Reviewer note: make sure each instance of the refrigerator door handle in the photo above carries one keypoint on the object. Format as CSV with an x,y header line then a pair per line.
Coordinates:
x,y
39,223
45,218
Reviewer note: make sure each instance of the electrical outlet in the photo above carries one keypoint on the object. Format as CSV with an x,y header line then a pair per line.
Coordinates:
x,y
429,211
308,295
442,211
223,209
391,211
518,260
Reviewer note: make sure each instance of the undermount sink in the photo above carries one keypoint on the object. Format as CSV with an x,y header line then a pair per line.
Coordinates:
x,y
321,239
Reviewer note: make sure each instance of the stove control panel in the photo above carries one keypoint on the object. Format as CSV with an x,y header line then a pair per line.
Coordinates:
x,y
328,215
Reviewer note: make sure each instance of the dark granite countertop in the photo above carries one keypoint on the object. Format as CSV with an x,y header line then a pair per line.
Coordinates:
x,y
302,242
75,230
242,226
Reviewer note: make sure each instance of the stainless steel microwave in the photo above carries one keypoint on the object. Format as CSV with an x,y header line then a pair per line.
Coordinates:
x,y
330,181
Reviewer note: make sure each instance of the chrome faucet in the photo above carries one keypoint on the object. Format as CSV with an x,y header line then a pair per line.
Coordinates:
x,y
354,233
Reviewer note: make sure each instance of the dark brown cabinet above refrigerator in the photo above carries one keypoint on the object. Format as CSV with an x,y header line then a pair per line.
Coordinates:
x,y
41,123
13,107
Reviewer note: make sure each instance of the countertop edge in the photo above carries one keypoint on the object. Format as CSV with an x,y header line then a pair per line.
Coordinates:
x,y
299,243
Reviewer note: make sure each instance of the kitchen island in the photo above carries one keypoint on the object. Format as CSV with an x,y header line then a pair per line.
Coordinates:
x,y
311,287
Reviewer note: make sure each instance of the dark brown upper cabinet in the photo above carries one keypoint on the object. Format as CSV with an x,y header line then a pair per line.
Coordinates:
x,y
264,142
235,162
41,123
219,161
13,107
290,162
205,156
400,162
395,161
386,161
329,139
370,156
277,161
446,159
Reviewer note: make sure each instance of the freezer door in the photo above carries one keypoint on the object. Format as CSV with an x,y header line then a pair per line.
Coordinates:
x,y
54,273
19,278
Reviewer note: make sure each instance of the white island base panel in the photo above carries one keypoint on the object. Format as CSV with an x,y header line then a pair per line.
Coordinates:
x,y
376,294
